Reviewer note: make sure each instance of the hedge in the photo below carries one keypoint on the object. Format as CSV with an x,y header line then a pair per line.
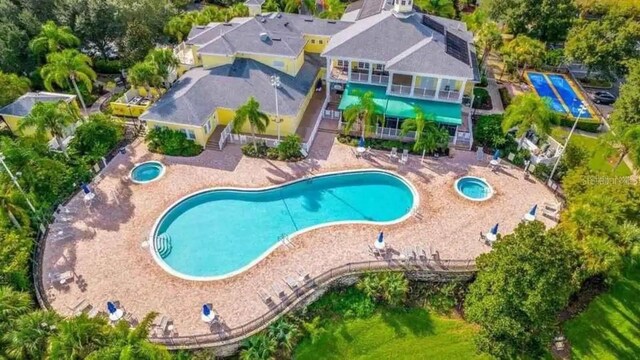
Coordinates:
x,y
585,125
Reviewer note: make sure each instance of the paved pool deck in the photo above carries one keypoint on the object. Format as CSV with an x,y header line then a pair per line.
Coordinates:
x,y
102,246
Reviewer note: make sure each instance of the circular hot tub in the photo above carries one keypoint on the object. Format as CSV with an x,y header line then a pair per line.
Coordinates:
x,y
147,172
473,188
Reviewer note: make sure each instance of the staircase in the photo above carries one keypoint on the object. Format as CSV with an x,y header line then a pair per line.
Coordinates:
x,y
162,244
214,140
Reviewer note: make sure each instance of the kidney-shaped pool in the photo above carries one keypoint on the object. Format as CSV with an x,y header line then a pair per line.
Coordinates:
x,y
217,233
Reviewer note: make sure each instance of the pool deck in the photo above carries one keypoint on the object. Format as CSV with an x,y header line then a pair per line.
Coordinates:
x,y
104,249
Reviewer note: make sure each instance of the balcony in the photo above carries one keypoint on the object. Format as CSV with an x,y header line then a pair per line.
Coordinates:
x,y
357,76
449,95
184,54
339,73
424,93
400,89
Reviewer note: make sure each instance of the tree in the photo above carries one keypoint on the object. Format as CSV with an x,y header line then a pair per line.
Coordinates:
x,y
525,52
391,287
99,25
29,335
258,347
363,112
164,60
53,38
12,87
284,333
13,304
475,20
271,6
624,140
604,45
520,287
68,65
179,26
145,74
250,112
627,106
333,10
528,111
546,20
429,136
12,202
127,343
489,37
444,8
96,137
49,118
79,336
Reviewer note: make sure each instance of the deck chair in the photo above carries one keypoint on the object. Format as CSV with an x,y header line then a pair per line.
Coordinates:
x,y
511,156
394,153
405,156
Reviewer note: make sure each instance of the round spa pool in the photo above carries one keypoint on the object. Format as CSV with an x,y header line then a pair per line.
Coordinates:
x,y
473,188
147,172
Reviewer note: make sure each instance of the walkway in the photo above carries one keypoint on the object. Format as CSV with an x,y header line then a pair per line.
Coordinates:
x,y
102,244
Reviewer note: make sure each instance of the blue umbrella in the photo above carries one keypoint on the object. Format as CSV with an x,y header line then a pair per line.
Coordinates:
x,y
111,307
361,142
496,155
205,310
85,188
380,243
532,212
494,229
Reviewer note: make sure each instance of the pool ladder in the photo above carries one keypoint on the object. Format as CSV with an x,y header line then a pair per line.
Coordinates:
x,y
284,238
162,243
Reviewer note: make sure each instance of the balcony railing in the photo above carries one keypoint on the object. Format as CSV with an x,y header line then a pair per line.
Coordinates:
x,y
449,95
338,73
359,76
379,79
424,93
401,89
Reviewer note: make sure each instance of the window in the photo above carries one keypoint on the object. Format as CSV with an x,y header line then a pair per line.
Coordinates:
x,y
190,134
278,64
207,127
313,41
378,67
363,65
404,2
343,64
320,42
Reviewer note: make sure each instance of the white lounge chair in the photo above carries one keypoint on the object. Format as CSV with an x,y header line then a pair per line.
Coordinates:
x,y
405,156
394,153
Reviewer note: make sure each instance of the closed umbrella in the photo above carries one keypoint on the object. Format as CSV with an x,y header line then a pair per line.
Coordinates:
x,y
496,155
115,314
379,244
492,235
85,188
207,314
531,215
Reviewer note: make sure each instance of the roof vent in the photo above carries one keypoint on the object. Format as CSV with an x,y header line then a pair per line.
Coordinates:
x,y
286,24
331,21
308,19
279,15
263,20
276,39
264,37
227,24
200,27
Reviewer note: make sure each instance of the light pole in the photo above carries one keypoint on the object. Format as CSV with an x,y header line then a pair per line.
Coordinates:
x,y
275,82
581,110
15,181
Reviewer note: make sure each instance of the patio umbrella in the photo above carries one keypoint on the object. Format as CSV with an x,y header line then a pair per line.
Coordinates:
x,y
496,155
85,188
115,314
492,235
531,215
111,307
379,244
207,314
361,142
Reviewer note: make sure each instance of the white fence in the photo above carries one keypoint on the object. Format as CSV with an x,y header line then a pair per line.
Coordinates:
x,y
384,133
244,139
306,146
224,135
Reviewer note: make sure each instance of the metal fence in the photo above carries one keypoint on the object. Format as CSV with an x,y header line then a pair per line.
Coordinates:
x,y
287,303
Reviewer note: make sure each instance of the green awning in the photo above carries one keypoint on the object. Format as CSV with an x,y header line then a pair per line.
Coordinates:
x,y
394,106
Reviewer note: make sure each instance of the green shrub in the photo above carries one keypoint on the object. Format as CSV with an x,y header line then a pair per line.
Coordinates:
x,y
483,80
349,302
289,148
585,125
487,131
391,287
382,144
171,142
104,66
481,99
440,297
96,137
505,97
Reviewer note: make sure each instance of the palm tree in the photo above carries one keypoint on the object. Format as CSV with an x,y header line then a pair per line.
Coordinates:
x,y
475,20
53,38
333,10
12,305
50,118
250,112
528,111
284,333
625,140
292,6
394,288
489,37
164,60
29,335
369,284
11,201
77,337
258,347
145,74
68,65
429,136
361,113
525,51
126,343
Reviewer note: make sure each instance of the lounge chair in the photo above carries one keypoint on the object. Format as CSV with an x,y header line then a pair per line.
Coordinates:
x,y
405,156
304,153
551,210
291,282
394,153
81,306
304,275
61,278
278,290
266,298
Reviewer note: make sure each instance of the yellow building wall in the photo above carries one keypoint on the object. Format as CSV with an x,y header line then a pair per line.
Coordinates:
x,y
211,61
14,123
468,89
201,137
291,65
315,43
122,109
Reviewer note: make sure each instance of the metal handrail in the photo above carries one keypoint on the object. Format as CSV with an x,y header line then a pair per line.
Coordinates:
x,y
239,333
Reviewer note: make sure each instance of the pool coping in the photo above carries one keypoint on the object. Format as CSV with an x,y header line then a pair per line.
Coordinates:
x,y
491,191
163,169
277,244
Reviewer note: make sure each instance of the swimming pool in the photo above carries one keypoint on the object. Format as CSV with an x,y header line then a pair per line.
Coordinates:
x,y
568,95
473,188
540,83
217,233
147,172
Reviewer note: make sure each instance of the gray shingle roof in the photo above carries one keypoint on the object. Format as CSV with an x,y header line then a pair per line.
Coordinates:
x,y
23,105
285,33
200,91
402,44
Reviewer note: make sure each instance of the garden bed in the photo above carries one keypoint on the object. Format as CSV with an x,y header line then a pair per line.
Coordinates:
x,y
481,99
383,144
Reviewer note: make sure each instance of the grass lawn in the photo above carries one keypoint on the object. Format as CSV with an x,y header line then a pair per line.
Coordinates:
x,y
599,160
393,334
610,327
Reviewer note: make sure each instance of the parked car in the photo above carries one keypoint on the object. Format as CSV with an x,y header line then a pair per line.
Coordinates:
x,y
603,97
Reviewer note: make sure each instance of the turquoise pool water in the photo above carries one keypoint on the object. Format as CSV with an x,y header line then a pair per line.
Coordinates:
x,y
474,188
147,171
217,233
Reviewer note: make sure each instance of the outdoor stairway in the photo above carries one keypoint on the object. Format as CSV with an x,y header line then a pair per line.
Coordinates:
x,y
162,243
214,140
